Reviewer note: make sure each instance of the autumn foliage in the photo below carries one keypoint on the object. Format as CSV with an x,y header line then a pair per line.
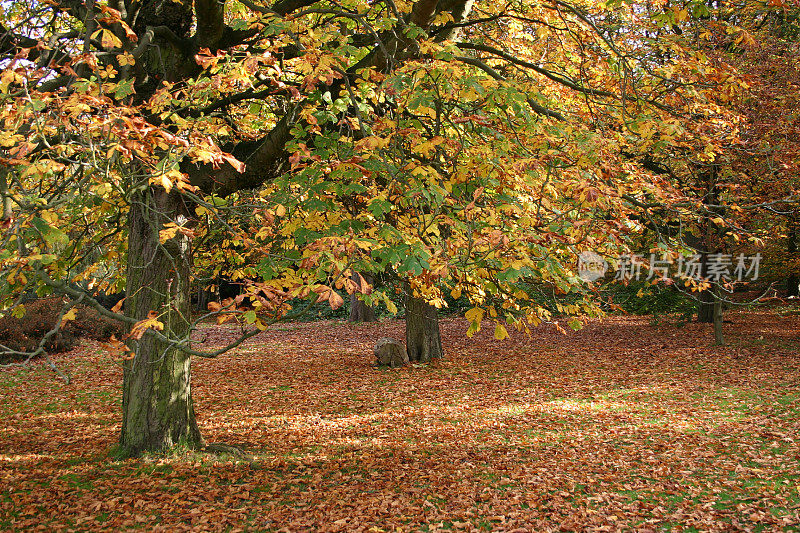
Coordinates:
x,y
462,150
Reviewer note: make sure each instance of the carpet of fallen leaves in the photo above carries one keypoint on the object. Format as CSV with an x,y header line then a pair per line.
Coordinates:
x,y
624,425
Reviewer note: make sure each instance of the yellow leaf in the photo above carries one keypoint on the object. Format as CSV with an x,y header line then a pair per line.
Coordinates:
x,y
500,332
126,59
118,306
372,143
151,322
107,38
474,315
165,182
335,300
167,233
69,315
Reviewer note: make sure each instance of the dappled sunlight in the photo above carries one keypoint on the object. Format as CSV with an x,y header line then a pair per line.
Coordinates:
x,y
24,458
550,425
72,415
577,406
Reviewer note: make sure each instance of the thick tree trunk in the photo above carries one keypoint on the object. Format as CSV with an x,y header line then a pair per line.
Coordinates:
x,y
423,340
793,281
157,407
359,310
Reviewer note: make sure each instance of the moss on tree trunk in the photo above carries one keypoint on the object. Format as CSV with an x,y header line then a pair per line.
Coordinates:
x,y
423,340
158,412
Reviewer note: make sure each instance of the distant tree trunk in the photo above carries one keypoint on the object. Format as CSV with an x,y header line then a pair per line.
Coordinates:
x,y
705,303
202,299
719,340
793,281
705,307
157,407
711,234
359,310
423,340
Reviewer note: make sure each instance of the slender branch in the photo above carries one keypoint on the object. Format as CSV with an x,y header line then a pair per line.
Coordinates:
x,y
544,72
496,75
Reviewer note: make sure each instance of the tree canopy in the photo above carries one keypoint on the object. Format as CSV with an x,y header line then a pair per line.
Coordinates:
x,y
462,146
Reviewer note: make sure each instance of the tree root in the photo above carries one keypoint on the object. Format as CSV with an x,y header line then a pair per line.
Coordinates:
x,y
218,448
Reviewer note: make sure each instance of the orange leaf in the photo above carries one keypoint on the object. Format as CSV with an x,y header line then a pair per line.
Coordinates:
x,y
335,300
151,322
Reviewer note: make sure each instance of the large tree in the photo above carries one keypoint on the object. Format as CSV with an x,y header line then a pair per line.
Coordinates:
x,y
463,145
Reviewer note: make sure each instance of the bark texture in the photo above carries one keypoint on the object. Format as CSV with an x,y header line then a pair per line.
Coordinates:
x,y
359,310
705,307
157,408
158,412
712,233
705,303
423,340
719,339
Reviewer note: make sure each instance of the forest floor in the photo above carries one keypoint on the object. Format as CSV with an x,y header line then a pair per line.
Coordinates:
x,y
624,425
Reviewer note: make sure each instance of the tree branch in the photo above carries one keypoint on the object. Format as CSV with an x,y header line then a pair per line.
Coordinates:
x,y
210,23
264,161
536,68
496,75
422,12
284,7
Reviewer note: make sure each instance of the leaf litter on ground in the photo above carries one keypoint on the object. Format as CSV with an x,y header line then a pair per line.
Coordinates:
x,y
622,425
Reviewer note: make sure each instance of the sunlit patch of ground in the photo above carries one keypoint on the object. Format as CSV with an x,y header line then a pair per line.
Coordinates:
x,y
620,426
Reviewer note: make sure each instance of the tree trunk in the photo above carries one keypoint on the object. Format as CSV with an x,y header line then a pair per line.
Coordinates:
x,y
705,302
793,281
359,310
157,407
202,299
423,340
705,307
712,232
719,340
